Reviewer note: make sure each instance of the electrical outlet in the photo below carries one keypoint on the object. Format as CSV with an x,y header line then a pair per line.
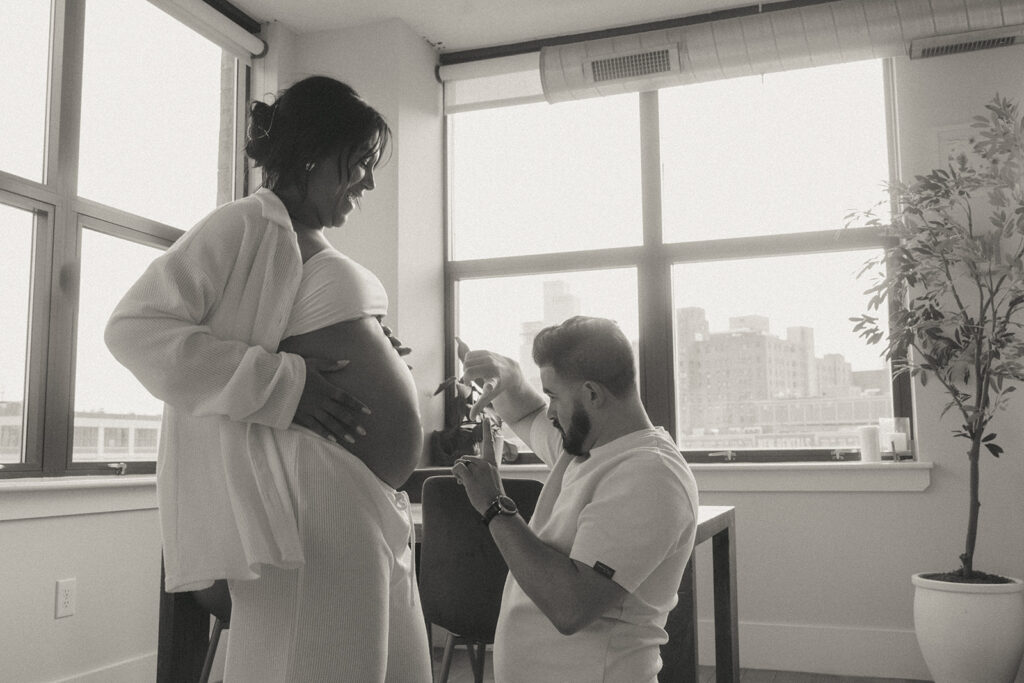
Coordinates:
x,y
65,599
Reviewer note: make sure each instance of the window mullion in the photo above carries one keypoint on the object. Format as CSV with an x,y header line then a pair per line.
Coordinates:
x,y
60,346
902,396
654,280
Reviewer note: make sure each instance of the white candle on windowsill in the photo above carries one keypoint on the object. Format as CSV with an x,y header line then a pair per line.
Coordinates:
x,y
869,451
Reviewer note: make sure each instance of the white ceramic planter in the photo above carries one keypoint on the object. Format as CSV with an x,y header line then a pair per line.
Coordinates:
x,y
970,633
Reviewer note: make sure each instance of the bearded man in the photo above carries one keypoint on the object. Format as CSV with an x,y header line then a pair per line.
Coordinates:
x,y
594,575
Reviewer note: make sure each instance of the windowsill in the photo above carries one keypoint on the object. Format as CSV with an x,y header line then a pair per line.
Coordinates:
x,y
813,476
790,476
37,498
65,496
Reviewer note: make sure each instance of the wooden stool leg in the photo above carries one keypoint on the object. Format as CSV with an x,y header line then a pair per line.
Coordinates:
x,y
446,659
477,652
211,651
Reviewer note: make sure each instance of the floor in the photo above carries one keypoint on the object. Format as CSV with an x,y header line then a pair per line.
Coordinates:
x,y
462,673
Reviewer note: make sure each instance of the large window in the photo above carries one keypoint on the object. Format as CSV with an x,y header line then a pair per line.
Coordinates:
x,y
106,394
122,134
24,51
520,185
18,231
708,220
504,314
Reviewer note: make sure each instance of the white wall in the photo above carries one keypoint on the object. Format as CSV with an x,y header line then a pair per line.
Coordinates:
x,y
824,578
108,540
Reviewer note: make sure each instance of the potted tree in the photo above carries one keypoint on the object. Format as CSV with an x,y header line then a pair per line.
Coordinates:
x,y
956,280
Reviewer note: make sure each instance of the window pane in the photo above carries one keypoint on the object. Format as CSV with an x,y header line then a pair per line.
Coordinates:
x,y
16,231
111,407
775,367
151,113
786,152
24,53
504,314
543,178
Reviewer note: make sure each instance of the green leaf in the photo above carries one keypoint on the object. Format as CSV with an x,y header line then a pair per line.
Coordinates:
x,y
994,449
461,349
444,385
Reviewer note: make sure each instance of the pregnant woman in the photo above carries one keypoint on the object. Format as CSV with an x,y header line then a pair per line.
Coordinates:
x,y
269,474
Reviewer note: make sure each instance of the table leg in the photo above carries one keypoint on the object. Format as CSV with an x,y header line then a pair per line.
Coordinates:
x,y
727,658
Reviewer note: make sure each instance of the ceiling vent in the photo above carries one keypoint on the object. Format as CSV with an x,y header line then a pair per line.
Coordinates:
x,y
605,65
633,66
966,42
776,40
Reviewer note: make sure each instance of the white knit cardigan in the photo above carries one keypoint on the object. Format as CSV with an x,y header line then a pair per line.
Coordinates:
x,y
199,329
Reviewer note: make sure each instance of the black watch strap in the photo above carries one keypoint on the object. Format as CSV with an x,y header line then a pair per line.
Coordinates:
x,y
502,505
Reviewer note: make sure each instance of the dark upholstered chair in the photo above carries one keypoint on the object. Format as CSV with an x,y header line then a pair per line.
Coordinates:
x,y
462,574
414,484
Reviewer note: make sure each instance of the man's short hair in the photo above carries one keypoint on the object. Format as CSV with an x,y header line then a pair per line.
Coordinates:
x,y
588,349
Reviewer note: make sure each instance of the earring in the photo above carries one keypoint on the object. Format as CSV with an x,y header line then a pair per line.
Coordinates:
x,y
310,165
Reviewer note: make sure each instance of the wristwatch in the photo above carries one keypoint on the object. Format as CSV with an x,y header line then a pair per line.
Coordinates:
x,y
502,505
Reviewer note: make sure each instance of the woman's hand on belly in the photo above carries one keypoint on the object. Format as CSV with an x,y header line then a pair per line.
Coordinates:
x,y
376,374
326,409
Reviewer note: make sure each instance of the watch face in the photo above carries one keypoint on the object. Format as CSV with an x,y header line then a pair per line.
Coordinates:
x,y
507,505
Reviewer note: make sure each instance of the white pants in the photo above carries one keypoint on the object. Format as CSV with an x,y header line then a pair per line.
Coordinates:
x,y
352,612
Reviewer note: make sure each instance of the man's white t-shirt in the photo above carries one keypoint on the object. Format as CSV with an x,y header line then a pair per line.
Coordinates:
x,y
630,511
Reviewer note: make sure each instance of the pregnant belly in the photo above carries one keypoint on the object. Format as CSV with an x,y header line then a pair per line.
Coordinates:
x,y
379,377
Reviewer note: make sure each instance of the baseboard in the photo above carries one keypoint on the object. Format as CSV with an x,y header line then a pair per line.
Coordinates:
x,y
141,668
822,649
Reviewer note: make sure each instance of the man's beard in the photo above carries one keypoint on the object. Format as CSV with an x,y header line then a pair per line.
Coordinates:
x,y
579,429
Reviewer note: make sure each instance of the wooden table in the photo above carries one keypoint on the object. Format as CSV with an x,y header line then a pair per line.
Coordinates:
x,y
184,625
679,656
679,664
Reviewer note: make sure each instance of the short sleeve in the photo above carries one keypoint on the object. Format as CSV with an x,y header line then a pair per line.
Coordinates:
x,y
640,513
540,435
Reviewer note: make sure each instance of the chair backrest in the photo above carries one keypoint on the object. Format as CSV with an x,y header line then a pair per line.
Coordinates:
x,y
462,574
414,484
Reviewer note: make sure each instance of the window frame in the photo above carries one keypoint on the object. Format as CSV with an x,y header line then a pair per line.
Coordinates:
x,y
61,216
653,261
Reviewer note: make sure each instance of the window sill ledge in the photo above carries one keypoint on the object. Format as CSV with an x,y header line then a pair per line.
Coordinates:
x,y
788,476
37,498
813,476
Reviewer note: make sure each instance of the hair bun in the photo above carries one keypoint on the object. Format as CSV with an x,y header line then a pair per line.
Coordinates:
x,y
261,123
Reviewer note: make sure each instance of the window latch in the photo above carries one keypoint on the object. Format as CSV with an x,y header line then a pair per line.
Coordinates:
x,y
728,456
121,467
841,453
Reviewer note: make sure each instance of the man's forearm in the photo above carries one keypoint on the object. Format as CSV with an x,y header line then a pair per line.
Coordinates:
x,y
570,595
545,574
518,402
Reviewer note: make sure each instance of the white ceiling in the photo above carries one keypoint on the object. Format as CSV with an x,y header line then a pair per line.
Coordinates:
x,y
454,25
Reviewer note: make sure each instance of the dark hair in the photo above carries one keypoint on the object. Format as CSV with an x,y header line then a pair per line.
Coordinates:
x,y
314,118
588,349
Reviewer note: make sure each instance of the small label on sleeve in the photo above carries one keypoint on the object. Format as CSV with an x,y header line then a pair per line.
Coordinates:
x,y
604,569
